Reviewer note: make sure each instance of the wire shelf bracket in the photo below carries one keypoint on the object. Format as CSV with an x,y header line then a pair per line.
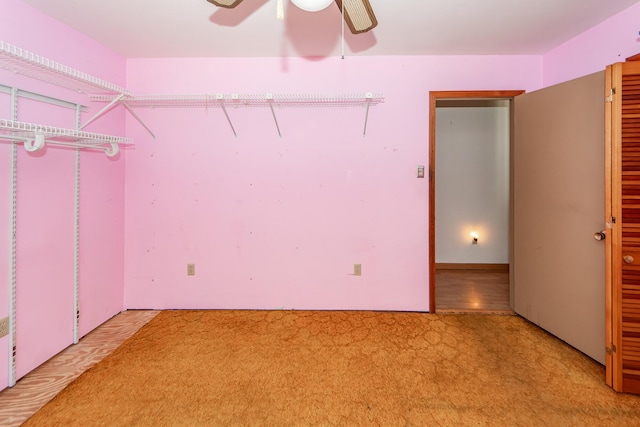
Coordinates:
x,y
113,104
103,111
273,112
220,98
366,115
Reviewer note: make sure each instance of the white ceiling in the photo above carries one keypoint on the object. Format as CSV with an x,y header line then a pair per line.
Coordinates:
x,y
192,28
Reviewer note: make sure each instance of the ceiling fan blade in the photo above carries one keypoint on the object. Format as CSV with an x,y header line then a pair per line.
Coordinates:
x,y
225,3
358,14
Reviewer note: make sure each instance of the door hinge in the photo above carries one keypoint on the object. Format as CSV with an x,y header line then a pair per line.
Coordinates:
x,y
612,349
613,220
612,92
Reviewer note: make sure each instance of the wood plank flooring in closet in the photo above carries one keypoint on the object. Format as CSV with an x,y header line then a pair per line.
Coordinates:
x,y
32,392
472,291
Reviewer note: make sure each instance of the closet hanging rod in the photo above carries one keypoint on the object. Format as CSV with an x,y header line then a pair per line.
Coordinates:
x,y
21,61
38,141
29,130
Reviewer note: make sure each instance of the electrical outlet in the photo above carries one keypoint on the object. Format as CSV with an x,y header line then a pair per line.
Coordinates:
x,y
357,269
4,327
191,269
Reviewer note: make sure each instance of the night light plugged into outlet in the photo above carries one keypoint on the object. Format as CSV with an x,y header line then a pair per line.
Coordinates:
x,y
474,238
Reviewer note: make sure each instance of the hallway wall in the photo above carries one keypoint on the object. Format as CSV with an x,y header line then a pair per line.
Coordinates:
x,y
472,184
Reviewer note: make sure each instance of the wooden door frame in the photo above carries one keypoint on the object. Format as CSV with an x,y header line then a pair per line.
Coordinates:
x,y
613,377
434,96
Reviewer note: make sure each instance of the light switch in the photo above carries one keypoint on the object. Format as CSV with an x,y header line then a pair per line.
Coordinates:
x,y
420,171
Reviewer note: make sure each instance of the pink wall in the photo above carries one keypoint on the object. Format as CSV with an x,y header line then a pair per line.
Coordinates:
x,y
612,41
279,223
46,200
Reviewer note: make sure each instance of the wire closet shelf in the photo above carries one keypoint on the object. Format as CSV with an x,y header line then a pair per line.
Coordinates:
x,y
245,100
21,61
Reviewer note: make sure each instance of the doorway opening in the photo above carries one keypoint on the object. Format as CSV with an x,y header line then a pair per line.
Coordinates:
x,y
470,195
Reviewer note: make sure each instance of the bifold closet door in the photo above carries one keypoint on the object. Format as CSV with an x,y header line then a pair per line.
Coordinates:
x,y
558,167
623,217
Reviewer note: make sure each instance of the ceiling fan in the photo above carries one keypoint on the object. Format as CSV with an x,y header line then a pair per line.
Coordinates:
x,y
358,14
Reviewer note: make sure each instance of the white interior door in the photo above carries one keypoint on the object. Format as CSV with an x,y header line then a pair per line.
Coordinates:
x,y
558,196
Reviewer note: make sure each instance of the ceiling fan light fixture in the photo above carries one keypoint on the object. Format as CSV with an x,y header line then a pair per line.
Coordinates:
x,y
312,5
225,3
358,14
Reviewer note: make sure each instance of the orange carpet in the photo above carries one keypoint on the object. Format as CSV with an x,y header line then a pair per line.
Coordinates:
x,y
290,368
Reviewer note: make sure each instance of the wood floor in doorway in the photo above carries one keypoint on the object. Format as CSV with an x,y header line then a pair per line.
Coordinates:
x,y
475,291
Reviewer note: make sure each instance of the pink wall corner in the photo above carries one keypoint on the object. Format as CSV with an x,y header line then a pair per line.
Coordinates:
x,y
612,41
279,222
46,199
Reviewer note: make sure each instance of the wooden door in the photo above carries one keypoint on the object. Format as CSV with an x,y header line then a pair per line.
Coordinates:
x,y
622,94
558,196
